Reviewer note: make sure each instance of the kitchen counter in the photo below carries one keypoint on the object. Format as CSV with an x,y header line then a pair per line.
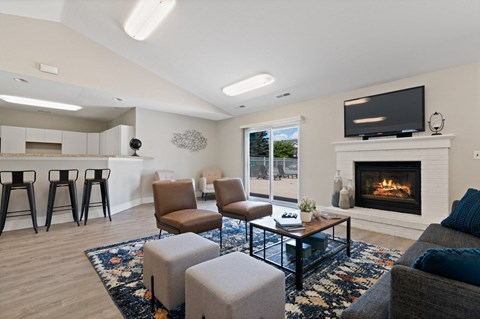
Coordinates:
x,y
124,183
29,155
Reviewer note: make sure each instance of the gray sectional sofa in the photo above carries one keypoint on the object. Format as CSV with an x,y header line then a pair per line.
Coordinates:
x,y
405,292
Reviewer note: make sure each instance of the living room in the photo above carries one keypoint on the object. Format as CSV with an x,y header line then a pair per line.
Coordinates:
x,y
450,73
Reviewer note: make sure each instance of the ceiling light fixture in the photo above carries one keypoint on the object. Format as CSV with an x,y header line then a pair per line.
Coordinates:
x,y
39,103
118,99
146,16
253,83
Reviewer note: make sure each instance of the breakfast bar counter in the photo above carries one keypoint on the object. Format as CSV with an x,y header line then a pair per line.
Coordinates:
x,y
124,183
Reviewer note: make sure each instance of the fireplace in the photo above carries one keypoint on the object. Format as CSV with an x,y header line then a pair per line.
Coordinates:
x,y
393,186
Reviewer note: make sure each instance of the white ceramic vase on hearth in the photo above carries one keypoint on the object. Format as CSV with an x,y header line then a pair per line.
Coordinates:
x,y
344,201
337,187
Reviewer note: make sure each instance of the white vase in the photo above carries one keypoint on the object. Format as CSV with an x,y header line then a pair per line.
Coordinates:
x,y
351,193
344,201
306,217
337,182
337,186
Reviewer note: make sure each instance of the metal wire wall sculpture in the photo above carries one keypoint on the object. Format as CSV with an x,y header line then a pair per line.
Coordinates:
x,y
191,140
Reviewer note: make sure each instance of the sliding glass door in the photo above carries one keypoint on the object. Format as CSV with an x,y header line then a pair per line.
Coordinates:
x,y
285,164
259,163
272,163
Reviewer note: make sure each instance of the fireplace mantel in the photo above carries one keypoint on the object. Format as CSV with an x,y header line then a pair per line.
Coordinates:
x,y
431,151
404,143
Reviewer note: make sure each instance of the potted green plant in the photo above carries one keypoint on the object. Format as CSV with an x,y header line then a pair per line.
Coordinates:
x,y
307,206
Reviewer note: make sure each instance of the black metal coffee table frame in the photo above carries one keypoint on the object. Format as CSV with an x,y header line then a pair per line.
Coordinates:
x,y
267,224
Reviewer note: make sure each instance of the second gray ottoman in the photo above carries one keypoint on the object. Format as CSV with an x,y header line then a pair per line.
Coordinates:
x,y
234,286
167,259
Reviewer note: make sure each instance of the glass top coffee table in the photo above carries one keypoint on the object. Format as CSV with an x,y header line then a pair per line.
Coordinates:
x,y
267,224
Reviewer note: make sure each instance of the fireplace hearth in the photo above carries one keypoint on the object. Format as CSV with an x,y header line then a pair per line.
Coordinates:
x,y
392,186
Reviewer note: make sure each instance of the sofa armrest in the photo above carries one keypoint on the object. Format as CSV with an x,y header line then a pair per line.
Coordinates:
x,y
418,294
373,304
202,184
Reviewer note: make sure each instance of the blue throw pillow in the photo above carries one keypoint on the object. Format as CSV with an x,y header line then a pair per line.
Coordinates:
x,y
462,264
465,217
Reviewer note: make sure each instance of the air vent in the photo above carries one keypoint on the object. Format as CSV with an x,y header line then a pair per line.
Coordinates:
x,y
283,95
20,80
48,68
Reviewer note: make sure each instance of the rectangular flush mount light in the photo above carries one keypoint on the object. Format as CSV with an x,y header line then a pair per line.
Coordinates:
x,y
146,16
253,83
39,103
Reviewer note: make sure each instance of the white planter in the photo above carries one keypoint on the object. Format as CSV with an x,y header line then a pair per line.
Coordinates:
x,y
306,217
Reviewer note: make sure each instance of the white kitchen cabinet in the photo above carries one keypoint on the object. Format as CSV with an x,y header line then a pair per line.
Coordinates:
x,y
34,134
74,142
112,141
40,135
126,134
53,136
115,141
12,139
93,143
103,143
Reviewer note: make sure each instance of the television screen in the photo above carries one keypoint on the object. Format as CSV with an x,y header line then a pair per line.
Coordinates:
x,y
399,112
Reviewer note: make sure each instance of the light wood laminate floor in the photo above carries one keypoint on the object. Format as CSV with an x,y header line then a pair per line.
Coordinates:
x,y
47,275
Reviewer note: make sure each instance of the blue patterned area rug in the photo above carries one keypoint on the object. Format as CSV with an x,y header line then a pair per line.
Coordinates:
x,y
327,291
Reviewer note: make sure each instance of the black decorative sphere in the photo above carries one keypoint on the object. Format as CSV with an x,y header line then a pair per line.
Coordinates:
x,y
135,145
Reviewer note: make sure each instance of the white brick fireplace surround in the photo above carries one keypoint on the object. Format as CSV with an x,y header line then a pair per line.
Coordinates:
x,y
431,151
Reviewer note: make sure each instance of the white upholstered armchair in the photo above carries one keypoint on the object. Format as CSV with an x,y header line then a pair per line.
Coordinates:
x,y
206,181
167,175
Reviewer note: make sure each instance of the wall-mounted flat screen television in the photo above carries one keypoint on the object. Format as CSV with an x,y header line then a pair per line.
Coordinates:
x,y
394,113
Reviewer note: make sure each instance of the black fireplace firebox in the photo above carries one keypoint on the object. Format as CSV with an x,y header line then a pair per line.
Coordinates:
x,y
394,186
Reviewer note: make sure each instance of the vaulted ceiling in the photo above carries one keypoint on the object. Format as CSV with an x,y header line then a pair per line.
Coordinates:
x,y
313,48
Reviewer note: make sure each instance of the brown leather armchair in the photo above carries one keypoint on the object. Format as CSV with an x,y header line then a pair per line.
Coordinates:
x,y
232,202
176,209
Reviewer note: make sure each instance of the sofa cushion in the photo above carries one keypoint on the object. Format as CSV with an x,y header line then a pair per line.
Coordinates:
x,y
460,264
447,237
250,210
466,215
416,250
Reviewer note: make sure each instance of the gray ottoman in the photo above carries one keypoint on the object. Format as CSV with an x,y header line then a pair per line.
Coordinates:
x,y
168,258
234,286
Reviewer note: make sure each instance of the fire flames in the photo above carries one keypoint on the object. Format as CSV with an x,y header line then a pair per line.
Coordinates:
x,y
391,189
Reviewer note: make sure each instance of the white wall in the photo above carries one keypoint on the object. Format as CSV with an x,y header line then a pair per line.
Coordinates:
x,y
155,130
453,92
127,118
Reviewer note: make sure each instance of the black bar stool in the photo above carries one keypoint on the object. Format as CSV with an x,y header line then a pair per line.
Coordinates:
x,y
62,178
96,177
12,180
